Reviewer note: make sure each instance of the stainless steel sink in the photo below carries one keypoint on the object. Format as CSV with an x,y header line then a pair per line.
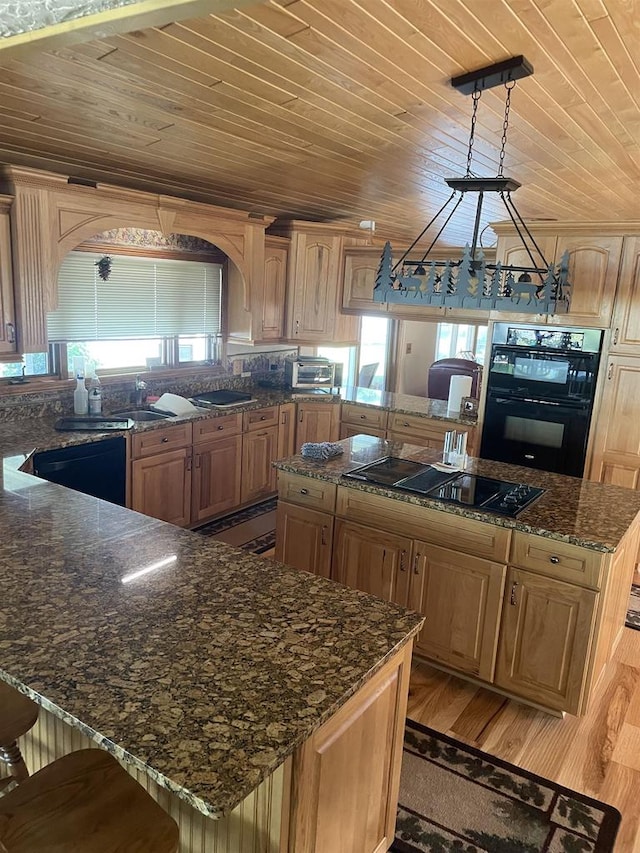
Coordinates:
x,y
142,415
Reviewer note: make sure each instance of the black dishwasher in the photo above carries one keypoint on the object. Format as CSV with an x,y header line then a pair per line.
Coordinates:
x,y
97,468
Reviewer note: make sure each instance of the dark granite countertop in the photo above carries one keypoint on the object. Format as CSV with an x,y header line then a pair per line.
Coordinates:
x,y
592,515
206,671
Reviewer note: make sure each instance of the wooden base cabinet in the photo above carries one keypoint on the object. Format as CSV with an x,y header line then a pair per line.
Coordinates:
x,y
462,596
161,486
217,469
373,561
259,449
547,631
317,422
304,538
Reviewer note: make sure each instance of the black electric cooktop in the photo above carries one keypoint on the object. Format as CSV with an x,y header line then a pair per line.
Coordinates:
x,y
459,488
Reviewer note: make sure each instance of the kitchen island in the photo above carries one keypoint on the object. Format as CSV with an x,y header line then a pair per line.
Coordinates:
x,y
532,606
223,681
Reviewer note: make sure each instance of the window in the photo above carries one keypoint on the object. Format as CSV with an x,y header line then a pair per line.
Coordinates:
x,y
150,311
457,340
34,364
374,346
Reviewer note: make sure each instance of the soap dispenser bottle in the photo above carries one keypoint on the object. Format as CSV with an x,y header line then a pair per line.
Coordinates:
x,y
80,397
95,396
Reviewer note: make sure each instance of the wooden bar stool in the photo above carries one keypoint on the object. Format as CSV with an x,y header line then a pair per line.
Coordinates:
x,y
84,803
18,714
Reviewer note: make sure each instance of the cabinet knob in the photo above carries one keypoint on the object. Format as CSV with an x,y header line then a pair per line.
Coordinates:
x,y
304,491
165,439
263,417
363,417
513,600
555,560
220,427
405,423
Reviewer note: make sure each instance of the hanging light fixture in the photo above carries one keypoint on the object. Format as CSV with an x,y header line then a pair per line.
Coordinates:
x,y
471,282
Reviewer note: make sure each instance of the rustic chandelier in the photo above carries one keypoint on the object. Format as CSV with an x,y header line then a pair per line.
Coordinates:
x,y
471,282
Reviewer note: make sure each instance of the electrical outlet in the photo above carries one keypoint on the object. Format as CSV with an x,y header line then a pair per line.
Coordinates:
x,y
237,368
408,350
245,374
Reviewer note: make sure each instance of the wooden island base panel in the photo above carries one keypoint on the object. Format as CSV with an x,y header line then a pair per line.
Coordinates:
x,y
531,607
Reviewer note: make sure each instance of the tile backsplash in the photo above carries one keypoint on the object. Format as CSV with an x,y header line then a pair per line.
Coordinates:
x,y
266,368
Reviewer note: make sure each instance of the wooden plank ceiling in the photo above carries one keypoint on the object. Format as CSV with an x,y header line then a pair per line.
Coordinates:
x,y
342,109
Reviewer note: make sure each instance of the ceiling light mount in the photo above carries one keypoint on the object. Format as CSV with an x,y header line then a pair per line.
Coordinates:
x,y
469,281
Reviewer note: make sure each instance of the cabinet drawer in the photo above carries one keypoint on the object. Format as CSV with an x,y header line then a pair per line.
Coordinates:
x,y
362,415
557,559
306,491
159,440
261,418
216,427
426,428
430,525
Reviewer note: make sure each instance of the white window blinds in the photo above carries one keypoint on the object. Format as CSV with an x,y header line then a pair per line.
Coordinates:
x,y
143,298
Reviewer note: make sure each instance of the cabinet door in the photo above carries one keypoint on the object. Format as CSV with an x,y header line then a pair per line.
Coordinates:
x,y
287,431
7,320
258,476
360,268
317,422
161,486
461,597
273,295
371,560
547,630
626,317
511,251
304,538
313,287
217,469
594,263
616,449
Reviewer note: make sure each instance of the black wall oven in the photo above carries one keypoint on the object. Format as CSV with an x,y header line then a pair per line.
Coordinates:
x,y
540,391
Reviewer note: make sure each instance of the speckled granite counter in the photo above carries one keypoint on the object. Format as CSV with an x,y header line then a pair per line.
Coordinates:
x,y
593,515
206,671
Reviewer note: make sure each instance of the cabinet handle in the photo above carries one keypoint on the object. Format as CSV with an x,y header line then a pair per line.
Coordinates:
x,y
610,371
285,418
197,460
403,561
300,414
11,333
513,600
416,559
323,535
304,491
297,327
555,560
262,433
615,336
188,463
165,439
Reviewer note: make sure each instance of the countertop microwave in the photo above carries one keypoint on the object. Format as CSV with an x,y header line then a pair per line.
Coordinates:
x,y
305,372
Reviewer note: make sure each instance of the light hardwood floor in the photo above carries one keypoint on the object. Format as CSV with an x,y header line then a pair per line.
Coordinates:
x,y
598,754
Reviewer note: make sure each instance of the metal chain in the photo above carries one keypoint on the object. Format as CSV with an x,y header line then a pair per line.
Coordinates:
x,y
505,125
476,97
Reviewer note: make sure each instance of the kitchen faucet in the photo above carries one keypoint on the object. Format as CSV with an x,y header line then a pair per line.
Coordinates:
x,y
140,392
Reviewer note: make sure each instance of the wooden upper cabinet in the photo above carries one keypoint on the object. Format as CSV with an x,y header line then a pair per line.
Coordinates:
x,y
625,338
314,299
594,263
8,344
359,269
616,448
276,254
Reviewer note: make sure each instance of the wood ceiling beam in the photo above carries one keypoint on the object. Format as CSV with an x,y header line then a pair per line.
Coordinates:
x,y
122,19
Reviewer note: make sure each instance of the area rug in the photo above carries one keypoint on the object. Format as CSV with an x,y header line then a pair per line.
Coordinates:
x,y
252,529
455,798
633,613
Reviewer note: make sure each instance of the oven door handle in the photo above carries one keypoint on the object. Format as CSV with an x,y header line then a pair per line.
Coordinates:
x,y
510,400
